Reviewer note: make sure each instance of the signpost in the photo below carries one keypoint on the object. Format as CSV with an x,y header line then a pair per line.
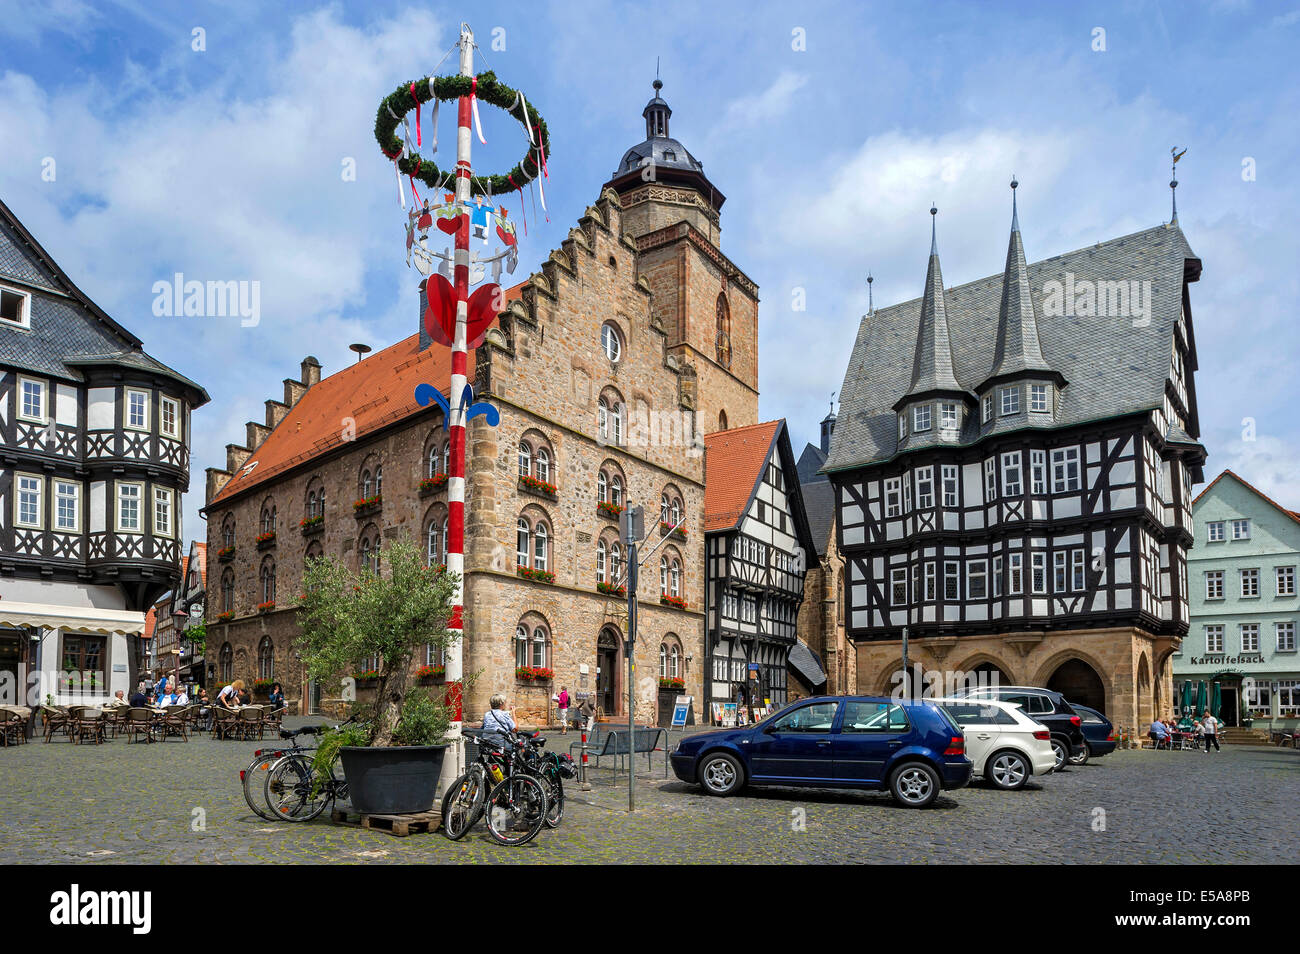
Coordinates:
x,y
631,525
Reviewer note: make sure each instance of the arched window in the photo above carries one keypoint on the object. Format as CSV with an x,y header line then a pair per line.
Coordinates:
x,y
541,646
228,531
525,459
663,575
311,504
663,660
435,457
379,479
268,516
724,331
226,662
541,541
616,490
602,486
675,577
367,482
227,590
611,418
266,659
314,552
663,508
542,465
602,556
615,562
674,660
611,342
670,656
722,420
446,458
521,645
268,580
433,554
523,533
676,512
533,642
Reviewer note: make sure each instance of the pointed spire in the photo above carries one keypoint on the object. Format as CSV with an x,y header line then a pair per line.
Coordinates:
x,y
1018,347
932,368
871,304
1173,182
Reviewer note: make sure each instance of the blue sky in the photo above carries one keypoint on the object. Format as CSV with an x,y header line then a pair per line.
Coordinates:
x,y
224,164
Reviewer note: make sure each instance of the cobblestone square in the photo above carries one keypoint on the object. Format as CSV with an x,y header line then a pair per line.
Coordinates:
x,y
131,803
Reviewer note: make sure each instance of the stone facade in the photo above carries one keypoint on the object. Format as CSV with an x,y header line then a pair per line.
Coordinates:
x,y
544,368
821,625
1131,679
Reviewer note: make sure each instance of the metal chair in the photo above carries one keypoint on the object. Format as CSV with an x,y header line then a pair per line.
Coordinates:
x,y
223,722
250,721
175,721
139,721
56,720
90,724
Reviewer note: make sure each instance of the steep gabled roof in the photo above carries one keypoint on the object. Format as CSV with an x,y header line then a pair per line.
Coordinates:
x,y
1113,367
733,466
932,365
1018,348
1252,488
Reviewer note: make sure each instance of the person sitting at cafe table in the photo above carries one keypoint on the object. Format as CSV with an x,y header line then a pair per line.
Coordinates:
x,y
1158,733
276,696
118,700
138,699
229,696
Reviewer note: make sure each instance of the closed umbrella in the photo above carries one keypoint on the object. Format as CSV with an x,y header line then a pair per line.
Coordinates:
x,y
1189,704
1218,701
1202,695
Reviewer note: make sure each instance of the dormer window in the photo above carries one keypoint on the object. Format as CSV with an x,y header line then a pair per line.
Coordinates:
x,y
1038,398
1010,398
15,307
902,426
988,408
921,418
948,417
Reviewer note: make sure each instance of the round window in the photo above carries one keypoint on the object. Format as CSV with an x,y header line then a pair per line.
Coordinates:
x,y
610,343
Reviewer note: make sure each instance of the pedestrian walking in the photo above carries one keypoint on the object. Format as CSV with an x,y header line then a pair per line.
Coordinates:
x,y
587,713
562,701
1211,727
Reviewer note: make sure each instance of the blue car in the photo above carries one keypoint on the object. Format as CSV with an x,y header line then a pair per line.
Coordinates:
x,y
912,748
1098,733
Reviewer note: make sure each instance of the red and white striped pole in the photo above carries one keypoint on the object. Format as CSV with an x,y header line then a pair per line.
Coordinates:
x,y
453,767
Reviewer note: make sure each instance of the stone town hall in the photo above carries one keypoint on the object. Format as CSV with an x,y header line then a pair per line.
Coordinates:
x,y
1013,463
636,337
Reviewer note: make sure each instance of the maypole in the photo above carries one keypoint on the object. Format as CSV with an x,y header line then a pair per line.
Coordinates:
x,y
454,317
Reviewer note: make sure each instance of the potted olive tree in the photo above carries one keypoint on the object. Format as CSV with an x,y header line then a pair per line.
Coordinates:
x,y
393,759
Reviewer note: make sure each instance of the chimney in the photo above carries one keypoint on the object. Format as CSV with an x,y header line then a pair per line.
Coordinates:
x,y
310,373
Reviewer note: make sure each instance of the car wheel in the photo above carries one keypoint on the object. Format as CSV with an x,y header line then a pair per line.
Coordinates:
x,y
914,785
720,774
1007,770
1061,749
1082,757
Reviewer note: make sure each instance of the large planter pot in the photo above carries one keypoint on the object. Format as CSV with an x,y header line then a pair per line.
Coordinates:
x,y
392,780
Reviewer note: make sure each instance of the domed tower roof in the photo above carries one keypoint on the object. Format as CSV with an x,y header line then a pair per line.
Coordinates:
x,y
673,162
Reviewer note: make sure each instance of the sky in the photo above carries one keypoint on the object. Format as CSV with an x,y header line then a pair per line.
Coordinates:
x,y
141,140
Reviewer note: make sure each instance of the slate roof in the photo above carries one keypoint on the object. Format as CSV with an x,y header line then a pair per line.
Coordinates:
x,y
375,392
810,464
1111,368
804,661
819,504
68,330
932,366
1019,348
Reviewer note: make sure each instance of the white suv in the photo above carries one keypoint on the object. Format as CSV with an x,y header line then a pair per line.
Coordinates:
x,y
1005,745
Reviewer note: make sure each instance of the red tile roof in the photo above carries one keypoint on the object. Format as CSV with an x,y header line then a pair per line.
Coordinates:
x,y
373,393
150,620
733,464
1252,488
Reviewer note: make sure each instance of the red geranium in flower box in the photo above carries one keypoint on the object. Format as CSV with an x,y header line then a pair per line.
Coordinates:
x,y
541,576
431,485
674,601
266,607
607,509
534,673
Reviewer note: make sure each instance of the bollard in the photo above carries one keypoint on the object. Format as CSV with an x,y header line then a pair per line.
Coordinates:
x,y
585,786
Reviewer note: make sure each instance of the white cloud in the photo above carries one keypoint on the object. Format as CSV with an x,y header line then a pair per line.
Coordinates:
x,y
1268,462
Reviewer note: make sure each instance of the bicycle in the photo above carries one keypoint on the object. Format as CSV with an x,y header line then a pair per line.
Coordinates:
x,y
552,768
295,792
253,778
515,807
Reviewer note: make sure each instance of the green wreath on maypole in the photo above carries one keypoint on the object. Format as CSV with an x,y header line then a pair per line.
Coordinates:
x,y
484,86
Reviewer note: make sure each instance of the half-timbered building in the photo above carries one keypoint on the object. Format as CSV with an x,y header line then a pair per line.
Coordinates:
x,y
94,458
1013,462
757,547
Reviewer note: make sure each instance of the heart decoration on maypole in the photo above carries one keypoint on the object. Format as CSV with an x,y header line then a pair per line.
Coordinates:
x,y
471,214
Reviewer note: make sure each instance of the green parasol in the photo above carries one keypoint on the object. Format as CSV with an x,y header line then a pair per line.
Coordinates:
x,y
1218,701
1189,703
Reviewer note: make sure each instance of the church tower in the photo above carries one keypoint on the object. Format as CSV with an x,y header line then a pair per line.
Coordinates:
x,y
706,306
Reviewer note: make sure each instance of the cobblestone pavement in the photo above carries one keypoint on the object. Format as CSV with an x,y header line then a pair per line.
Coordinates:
x,y
124,802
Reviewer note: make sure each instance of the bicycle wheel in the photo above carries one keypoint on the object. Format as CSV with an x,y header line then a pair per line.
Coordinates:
x,y
254,782
554,796
516,810
463,803
289,790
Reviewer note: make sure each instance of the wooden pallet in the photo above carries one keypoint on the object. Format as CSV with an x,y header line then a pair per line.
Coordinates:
x,y
415,823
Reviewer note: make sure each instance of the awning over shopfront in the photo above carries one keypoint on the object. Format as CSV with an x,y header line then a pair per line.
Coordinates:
x,y
72,619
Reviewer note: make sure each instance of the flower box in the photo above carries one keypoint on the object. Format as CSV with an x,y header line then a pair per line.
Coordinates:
x,y
611,589
226,554
607,509
674,601
666,530
264,540
427,674
534,673
266,607
364,508
432,485
367,678
310,525
225,617
540,576
263,685
672,682
538,488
